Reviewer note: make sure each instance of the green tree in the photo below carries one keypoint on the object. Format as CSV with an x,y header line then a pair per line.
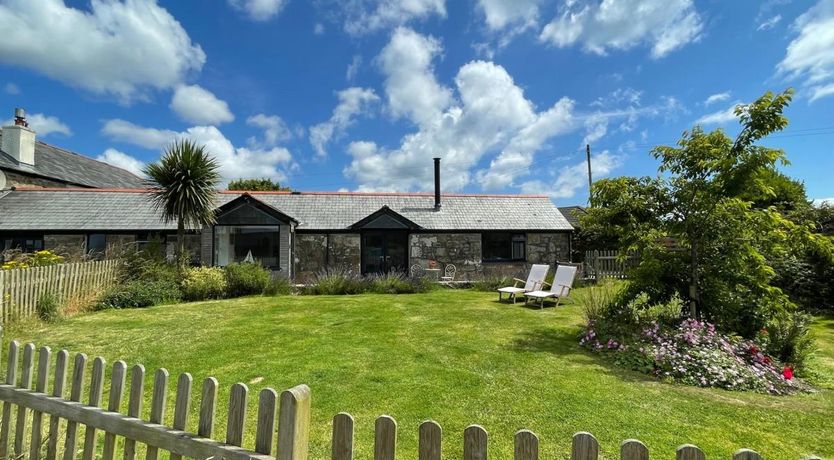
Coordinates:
x,y
257,185
698,226
183,185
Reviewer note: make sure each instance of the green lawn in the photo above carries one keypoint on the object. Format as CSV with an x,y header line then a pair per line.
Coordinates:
x,y
457,357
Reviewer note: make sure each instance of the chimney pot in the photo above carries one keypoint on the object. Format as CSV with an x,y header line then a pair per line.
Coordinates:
x,y
437,184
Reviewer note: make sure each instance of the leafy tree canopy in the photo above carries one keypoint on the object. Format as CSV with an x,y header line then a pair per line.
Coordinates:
x,y
710,222
257,185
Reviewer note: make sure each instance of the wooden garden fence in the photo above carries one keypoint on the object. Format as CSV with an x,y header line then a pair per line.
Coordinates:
x,y
608,264
25,431
20,289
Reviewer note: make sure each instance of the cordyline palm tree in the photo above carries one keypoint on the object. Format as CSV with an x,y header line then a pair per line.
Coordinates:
x,y
182,187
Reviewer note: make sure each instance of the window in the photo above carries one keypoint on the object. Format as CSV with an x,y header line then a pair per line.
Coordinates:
x,y
503,246
23,243
96,245
256,243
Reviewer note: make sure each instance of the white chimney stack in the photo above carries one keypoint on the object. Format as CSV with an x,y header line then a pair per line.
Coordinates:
x,y
19,140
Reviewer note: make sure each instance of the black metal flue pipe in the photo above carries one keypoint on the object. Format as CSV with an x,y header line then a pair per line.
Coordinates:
x,y
437,183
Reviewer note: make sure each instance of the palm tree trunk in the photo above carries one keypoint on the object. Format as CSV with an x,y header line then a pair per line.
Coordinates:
x,y
180,240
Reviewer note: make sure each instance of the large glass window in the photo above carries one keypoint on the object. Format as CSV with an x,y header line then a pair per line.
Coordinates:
x,y
25,243
96,245
500,246
246,244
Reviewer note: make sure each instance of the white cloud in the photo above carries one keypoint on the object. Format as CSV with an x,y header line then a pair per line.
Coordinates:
x,y
274,129
200,106
259,10
517,157
353,67
596,126
410,85
43,125
769,23
118,48
123,160
318,29
366,16
11,88
235,162
352,102
487,116
719,117
149,138
810,56
500,14
665,25
718,97
575,177
823,201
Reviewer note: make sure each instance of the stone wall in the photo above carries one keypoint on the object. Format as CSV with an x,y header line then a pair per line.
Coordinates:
x,y
463,250
548,248
317,251
17,179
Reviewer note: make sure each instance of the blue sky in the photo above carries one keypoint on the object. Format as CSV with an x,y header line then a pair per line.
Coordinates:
x,y
361,94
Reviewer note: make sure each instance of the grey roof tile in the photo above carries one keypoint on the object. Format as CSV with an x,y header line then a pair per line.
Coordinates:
x,y
73,168
89,209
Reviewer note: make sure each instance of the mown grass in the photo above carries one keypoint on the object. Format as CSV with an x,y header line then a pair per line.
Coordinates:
x,y
457,357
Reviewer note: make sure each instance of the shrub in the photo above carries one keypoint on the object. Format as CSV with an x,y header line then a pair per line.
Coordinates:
x,y
140,294
201,283
246,279
278,285
597,300
149,264
48,307
398,283
787,336
337,281
693,353
18,260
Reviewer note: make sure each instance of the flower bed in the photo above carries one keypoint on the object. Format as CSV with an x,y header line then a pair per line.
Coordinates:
x,y
694,353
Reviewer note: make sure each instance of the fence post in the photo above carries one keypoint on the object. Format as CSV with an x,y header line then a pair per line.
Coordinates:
x,y
584,447
11,379
431,438
385,438
26,384
267,408
294,424
37,417
632,449
689,452
342,443
526,445
475,440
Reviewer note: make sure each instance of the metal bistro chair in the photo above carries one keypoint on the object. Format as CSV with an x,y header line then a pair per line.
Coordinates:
x,y
417,271
449,274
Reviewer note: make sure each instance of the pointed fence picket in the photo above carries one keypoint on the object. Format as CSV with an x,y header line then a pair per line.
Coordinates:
x,y
281,432
20,289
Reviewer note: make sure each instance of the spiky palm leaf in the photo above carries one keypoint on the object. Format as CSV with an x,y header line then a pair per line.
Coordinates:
x,y
183,184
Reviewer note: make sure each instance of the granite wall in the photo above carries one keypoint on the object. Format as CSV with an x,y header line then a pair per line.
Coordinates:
x,y
316,251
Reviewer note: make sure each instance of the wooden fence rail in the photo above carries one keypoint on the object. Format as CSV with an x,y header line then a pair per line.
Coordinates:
x,y
20,289
608,264
281,432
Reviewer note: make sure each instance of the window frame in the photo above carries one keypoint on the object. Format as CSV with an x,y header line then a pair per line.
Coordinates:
x,y
511,239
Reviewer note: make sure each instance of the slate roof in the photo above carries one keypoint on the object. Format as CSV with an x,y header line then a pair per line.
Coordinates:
x,y
76,169
573,214
91,209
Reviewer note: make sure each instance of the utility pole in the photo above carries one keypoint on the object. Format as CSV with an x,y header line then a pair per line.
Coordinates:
x,y
590,179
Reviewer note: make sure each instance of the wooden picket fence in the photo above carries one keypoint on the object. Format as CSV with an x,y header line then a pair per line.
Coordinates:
x,y
20,289
608,264
34,437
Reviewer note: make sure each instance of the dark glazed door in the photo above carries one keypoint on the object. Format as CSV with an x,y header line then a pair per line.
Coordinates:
x,y
384,251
